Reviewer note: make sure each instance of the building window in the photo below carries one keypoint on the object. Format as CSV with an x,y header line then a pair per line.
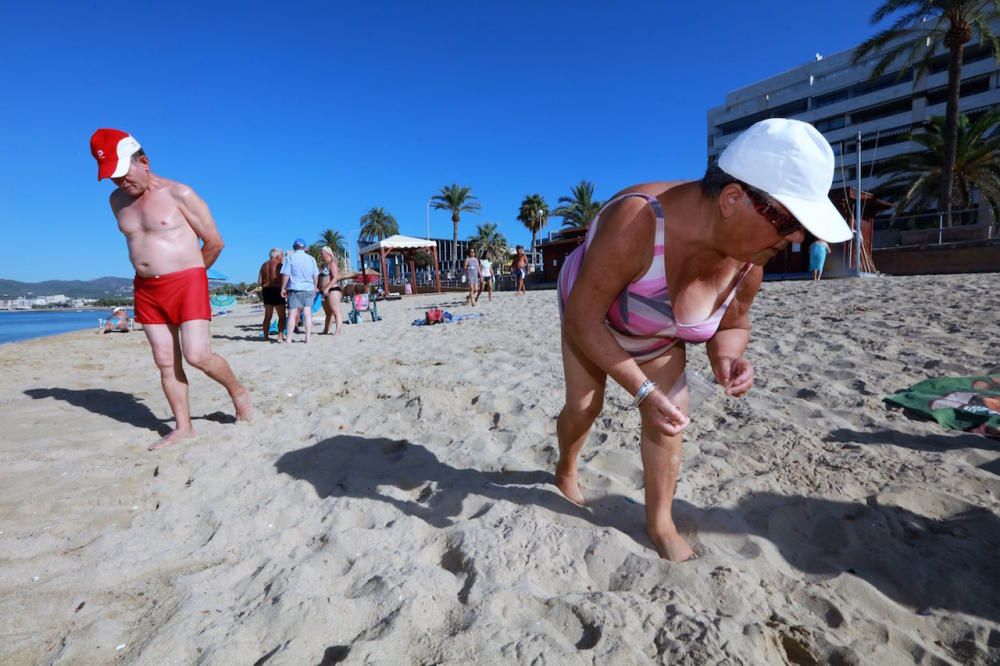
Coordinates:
x,y
882,110
829,124
830,98
980,84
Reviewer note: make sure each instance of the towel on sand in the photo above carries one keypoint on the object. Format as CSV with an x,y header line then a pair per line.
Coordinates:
x,y
960,403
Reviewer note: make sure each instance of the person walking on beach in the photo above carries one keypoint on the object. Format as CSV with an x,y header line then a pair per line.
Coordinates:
x,y
664,253
486,273
520,268
472,274
172,241
329,287
299,276
269,279
817,258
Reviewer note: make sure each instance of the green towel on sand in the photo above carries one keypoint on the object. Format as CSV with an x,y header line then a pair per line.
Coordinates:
x,y
960,403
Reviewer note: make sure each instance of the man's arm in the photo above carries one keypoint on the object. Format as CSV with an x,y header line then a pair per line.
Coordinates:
x,y
195,210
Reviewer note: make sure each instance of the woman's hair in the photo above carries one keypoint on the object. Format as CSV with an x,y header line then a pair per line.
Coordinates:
x,y
715,180
326,250
275,253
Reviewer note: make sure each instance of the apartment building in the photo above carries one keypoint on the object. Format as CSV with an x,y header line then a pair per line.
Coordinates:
x,y
840,100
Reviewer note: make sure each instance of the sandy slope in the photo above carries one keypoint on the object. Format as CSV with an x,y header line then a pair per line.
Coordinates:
x,y
391,502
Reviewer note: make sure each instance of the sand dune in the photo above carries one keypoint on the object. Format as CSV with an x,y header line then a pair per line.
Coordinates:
x,y
392,502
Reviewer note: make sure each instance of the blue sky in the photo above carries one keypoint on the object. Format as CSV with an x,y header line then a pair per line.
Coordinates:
x,y
289,118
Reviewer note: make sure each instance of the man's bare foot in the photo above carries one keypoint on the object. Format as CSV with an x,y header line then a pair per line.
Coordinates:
x,y
671,545
174,437
243,404
569,486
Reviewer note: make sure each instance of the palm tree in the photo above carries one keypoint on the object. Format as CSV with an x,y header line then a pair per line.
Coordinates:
x,y
489,240
922,28
915,176
377,224
336,242
457,199
333,240
579,209
534,213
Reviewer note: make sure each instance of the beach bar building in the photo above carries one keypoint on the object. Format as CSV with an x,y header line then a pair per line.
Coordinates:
x,y
555,250
407,247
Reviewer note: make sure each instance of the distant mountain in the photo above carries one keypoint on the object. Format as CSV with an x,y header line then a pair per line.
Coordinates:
x,y
104,287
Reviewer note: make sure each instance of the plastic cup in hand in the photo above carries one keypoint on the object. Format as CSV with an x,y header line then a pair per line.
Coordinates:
x,y
700,388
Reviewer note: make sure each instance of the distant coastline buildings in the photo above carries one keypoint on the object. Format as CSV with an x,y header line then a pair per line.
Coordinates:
x,y
838,98
58,300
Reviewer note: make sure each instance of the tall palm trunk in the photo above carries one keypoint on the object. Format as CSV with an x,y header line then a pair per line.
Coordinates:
x,y
454,238
955,40
533,234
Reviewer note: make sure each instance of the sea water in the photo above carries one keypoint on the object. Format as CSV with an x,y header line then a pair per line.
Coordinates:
x,y
27,324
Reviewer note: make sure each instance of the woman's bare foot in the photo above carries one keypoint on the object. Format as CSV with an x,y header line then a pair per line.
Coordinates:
x,y
243,404
671,545
172,438
569,486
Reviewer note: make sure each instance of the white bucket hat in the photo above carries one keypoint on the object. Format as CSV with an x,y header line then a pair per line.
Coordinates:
x,y
793,163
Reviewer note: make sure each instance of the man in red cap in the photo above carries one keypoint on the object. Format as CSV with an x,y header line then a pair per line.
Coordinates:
x,y
172,240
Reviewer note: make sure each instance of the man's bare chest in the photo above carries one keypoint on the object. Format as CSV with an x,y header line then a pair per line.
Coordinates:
x,y
158,214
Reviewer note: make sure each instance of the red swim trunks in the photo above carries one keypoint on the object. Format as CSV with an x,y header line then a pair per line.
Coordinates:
x,y
173,298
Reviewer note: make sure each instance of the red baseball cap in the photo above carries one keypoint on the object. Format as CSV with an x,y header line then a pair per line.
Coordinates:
x,y
113,150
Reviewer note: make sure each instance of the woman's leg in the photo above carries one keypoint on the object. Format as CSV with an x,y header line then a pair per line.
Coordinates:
x,y
338,316
661,459
585,383
328,311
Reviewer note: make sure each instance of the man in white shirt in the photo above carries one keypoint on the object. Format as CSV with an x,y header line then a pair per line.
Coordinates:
x,y
299,276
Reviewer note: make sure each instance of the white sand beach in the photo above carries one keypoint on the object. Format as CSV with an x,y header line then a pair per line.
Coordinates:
x,y
392,502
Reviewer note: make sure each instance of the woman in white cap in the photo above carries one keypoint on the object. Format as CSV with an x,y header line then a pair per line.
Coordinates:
x,y
668,263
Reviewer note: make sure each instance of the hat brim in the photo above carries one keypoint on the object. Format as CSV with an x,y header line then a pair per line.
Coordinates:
x,y
106,170
821,218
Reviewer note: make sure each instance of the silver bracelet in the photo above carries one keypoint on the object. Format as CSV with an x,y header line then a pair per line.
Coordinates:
x,y
644,390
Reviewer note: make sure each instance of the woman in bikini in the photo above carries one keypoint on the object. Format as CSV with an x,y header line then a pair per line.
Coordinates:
x,y
329,286
669,263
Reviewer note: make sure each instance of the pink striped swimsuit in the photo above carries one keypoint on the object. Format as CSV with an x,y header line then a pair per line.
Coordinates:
x,y
641,318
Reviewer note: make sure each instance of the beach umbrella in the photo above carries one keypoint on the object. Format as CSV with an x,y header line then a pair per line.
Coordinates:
x,y
216,276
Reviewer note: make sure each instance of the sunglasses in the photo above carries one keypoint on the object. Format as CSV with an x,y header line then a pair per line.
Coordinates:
x,y
784,223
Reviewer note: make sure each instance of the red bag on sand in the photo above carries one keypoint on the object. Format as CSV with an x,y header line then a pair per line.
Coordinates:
x,y
434,316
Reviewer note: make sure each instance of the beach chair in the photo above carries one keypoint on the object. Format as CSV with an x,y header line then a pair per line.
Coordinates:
x,y
362,303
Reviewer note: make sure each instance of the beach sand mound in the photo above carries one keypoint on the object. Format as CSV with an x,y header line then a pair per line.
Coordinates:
x,y
393,502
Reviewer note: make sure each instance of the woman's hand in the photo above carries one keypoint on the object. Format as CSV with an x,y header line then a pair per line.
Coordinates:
x,y
735,375
662,414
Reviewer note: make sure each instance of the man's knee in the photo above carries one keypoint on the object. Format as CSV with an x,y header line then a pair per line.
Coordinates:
x,y
164,360
198,358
